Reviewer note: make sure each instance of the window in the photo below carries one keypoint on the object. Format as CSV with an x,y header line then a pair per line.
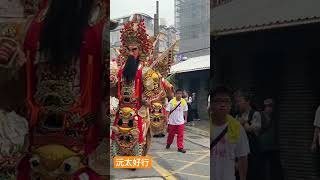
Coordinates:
x,y
117,44
148,23
215,3
114,37
194,35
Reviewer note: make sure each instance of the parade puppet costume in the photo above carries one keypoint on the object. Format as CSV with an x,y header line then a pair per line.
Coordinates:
x,y
141,101
155,91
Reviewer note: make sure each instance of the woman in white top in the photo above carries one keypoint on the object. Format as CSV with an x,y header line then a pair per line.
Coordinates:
x,y
189,101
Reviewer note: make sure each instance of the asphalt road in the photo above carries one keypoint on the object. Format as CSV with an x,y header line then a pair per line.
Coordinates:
x,y
172,165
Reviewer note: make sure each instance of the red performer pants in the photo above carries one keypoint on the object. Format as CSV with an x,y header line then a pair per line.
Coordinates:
x,y
172,130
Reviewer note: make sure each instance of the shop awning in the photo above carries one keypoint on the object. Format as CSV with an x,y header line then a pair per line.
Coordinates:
x,y
252,15
192,64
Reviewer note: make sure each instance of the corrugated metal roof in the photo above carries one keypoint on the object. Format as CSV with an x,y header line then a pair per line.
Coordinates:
x,y
250,15
192,64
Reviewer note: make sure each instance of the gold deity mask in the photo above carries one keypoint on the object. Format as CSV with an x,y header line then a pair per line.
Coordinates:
x,y
151,80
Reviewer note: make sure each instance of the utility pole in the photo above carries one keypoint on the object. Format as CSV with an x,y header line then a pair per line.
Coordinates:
x,y
156,29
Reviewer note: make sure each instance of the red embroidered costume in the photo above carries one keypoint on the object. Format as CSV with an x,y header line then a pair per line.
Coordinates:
x,y
64,103
141,99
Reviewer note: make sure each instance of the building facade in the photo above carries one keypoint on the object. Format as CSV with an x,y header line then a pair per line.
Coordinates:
x,y
215,3
168,36
274,55
193,75
192,19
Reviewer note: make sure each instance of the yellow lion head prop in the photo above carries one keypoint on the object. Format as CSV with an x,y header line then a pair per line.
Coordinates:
x,y
54,161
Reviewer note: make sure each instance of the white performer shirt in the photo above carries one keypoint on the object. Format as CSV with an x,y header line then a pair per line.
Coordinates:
x,y
177,116
223,155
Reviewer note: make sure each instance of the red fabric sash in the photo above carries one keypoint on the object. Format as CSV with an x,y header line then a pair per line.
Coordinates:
x,y
137,106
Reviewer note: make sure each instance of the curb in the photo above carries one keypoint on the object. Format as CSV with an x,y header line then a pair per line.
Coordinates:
x,y
197,131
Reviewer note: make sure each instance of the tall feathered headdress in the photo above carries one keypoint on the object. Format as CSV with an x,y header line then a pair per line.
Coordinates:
x,y
134,33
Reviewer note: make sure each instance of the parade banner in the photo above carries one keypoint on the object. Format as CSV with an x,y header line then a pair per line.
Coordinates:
x,y
131,162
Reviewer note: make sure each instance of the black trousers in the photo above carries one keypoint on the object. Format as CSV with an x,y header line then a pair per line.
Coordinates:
x,y
265,166
190,118
195,113
271,165
254,168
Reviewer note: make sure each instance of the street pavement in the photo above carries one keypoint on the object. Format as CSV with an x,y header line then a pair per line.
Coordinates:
x,y
172,165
